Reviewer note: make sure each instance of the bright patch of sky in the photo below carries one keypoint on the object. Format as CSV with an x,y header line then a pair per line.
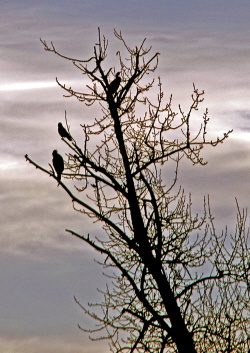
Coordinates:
x,y
20,86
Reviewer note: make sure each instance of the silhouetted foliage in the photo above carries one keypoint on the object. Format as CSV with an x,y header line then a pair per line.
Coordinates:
x,y
178,286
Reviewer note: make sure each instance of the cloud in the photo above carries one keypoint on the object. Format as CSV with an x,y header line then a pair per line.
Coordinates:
x,y
56,344
26,85
32,201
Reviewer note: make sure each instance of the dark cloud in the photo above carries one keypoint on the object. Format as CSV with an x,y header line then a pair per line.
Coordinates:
x,y
49,285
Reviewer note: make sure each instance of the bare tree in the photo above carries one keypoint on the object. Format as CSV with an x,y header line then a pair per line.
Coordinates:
x,y
178,286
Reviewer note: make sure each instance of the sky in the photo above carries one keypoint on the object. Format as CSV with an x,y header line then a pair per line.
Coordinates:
x,y
42,267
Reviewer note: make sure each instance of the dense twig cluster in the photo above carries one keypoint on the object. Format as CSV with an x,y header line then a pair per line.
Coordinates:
x,y
178,286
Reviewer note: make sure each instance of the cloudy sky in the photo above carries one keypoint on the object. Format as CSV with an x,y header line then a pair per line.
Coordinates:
x,y
41,266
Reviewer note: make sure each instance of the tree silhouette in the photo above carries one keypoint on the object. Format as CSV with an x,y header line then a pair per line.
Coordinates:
x,y
178,286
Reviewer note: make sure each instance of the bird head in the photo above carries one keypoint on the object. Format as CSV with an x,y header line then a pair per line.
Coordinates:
x,y
54,153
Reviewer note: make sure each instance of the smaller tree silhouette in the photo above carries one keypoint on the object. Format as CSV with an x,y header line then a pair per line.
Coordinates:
x,y
178,286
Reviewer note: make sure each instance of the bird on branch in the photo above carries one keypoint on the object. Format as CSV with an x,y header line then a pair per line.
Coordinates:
x,y
58,164
63,132
113,86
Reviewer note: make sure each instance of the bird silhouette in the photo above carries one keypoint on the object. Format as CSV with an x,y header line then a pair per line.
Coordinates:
x,y
63,132
113,86
58,164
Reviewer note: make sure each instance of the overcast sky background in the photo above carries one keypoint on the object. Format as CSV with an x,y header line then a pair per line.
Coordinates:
x,y
41,266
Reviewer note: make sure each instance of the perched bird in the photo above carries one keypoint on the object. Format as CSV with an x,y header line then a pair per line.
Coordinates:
x,y
63,132
58,164
113,86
